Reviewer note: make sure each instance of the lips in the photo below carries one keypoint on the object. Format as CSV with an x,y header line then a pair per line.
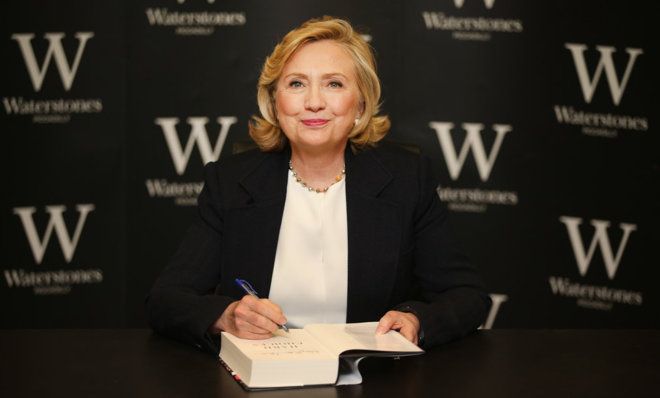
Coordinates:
x,y
315,122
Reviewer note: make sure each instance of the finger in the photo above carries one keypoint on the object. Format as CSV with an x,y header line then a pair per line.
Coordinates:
x,y
265,308
409,327
252,336
386,323
257,324
270,310
249,300
248,319
408,331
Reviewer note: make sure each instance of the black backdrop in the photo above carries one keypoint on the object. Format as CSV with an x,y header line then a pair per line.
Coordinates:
x,y
539,118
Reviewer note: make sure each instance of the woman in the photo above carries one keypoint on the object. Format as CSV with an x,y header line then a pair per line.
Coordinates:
x,y
328,225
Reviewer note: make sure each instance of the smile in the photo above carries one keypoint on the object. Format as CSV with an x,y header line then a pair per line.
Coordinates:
x,y
315,122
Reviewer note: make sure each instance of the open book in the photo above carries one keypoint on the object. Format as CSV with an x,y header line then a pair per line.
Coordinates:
x,y
309,356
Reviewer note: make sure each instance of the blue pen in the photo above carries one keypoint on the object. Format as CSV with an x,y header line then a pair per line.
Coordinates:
x,y
247,288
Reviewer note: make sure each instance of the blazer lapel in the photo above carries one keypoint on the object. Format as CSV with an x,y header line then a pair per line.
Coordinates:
x,y
374,231
260,219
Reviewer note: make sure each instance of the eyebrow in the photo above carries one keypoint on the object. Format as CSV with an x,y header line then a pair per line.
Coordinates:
x,y
324,76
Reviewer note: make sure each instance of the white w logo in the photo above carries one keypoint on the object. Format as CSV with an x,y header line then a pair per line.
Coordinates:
x,y
488,3
601,239
473,140
606,63
56,222
497,300
198,134
67,72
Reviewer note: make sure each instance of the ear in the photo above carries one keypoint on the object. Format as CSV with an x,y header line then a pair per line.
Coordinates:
x,y
273,104
361,108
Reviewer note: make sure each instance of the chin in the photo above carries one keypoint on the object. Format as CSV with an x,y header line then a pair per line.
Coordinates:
x,y
318,144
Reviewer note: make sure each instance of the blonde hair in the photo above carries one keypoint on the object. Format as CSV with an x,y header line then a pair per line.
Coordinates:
x,y
370,128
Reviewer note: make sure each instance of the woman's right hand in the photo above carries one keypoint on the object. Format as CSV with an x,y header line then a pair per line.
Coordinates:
x,y
250,318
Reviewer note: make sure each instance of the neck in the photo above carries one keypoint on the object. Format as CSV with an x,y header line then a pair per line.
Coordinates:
x,y
318,169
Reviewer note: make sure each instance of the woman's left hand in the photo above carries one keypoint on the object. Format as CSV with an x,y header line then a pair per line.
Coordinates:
x,y
406,323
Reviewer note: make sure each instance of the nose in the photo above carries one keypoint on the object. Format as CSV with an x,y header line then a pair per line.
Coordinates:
x,y
314,100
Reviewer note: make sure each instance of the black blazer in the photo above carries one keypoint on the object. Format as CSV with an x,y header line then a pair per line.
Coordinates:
x,y
400,252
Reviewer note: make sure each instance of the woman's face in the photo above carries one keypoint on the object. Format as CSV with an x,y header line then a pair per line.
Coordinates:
x,y
317,98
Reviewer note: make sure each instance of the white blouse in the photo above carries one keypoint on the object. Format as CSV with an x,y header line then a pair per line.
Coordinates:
x,y
311,263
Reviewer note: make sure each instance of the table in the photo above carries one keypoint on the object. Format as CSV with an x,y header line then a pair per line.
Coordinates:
x,y
490,363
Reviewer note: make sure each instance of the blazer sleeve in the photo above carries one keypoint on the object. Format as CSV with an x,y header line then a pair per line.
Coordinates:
x,y
452,301
182,303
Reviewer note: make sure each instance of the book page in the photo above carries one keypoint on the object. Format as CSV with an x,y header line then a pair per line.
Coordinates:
x,y
297,344
284,360
359,336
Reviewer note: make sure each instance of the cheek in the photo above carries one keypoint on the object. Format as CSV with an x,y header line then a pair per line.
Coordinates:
x,y
344,105
287,104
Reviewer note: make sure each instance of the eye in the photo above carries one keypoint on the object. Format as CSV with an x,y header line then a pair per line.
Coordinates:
x,y
335,84
295,84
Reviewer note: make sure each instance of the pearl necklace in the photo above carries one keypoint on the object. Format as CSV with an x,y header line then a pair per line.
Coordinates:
x,y
338,178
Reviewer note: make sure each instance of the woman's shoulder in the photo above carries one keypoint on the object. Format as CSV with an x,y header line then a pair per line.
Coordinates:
x,y
238,164
397,156
406,163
